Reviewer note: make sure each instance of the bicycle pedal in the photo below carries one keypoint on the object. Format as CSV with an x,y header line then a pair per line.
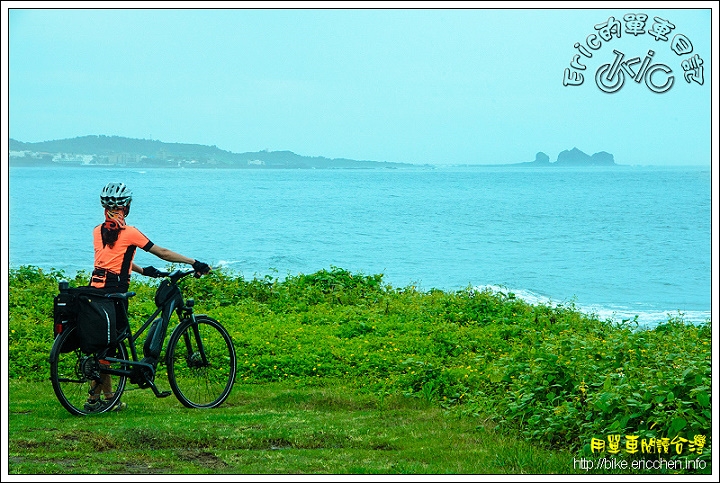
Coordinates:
x,y
164,394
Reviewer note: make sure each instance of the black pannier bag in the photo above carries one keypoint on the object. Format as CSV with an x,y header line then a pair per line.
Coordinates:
x,y
65,316
95,321
64,311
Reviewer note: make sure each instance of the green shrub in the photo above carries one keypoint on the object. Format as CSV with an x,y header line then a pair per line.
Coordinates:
x,y
554,374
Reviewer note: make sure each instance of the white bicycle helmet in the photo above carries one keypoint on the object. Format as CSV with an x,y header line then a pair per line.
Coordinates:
x,y
115,195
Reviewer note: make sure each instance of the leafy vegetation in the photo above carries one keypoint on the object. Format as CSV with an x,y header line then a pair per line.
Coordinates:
x,y
553,375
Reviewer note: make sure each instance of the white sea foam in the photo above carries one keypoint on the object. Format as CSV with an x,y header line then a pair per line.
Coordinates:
x,y
645,317
226,263
524,295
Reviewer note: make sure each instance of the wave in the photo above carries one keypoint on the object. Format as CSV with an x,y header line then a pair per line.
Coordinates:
x,y
227,263
646,317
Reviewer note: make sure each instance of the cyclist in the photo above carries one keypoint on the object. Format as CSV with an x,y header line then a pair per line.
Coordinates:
x,y
115,243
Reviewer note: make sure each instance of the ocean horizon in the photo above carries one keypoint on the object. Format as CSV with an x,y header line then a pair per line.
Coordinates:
x,y
619,242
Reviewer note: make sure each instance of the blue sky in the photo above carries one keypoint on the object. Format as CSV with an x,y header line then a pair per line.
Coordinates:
x,y
439,86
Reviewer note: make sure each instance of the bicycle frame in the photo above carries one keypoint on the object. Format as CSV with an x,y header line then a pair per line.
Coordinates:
x,y
183,310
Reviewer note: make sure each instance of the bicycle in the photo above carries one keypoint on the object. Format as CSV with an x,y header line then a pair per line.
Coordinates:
x,y
199,358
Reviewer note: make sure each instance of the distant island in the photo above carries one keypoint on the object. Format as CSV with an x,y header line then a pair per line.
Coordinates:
x,y
573,157
123,152
568,158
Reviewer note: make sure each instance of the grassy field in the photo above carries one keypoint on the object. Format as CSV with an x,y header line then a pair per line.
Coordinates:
x,y
273,428
339,373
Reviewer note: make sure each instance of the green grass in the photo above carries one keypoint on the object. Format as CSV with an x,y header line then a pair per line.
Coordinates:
x,y
274,428
548,379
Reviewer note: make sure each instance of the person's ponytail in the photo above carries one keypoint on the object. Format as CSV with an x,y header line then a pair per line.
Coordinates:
x,y
114,222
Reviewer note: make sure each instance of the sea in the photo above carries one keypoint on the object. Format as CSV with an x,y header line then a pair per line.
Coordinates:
x,y
623,243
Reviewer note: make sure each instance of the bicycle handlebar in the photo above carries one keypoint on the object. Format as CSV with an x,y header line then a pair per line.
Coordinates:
x,y
176,275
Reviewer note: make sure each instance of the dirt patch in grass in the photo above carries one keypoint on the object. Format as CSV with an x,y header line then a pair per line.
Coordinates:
x,y
140,469
203,458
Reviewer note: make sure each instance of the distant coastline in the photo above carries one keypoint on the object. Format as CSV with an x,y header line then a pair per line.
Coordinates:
x,y
116,151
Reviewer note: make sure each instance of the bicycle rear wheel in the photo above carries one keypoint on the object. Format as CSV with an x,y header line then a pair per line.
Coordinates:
x,y
201,362
73,375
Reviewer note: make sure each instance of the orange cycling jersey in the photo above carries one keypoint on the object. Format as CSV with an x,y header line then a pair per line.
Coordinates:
x,y
114,264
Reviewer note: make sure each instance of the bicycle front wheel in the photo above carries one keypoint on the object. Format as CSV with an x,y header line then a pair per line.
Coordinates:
x,y
74,375
201,362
